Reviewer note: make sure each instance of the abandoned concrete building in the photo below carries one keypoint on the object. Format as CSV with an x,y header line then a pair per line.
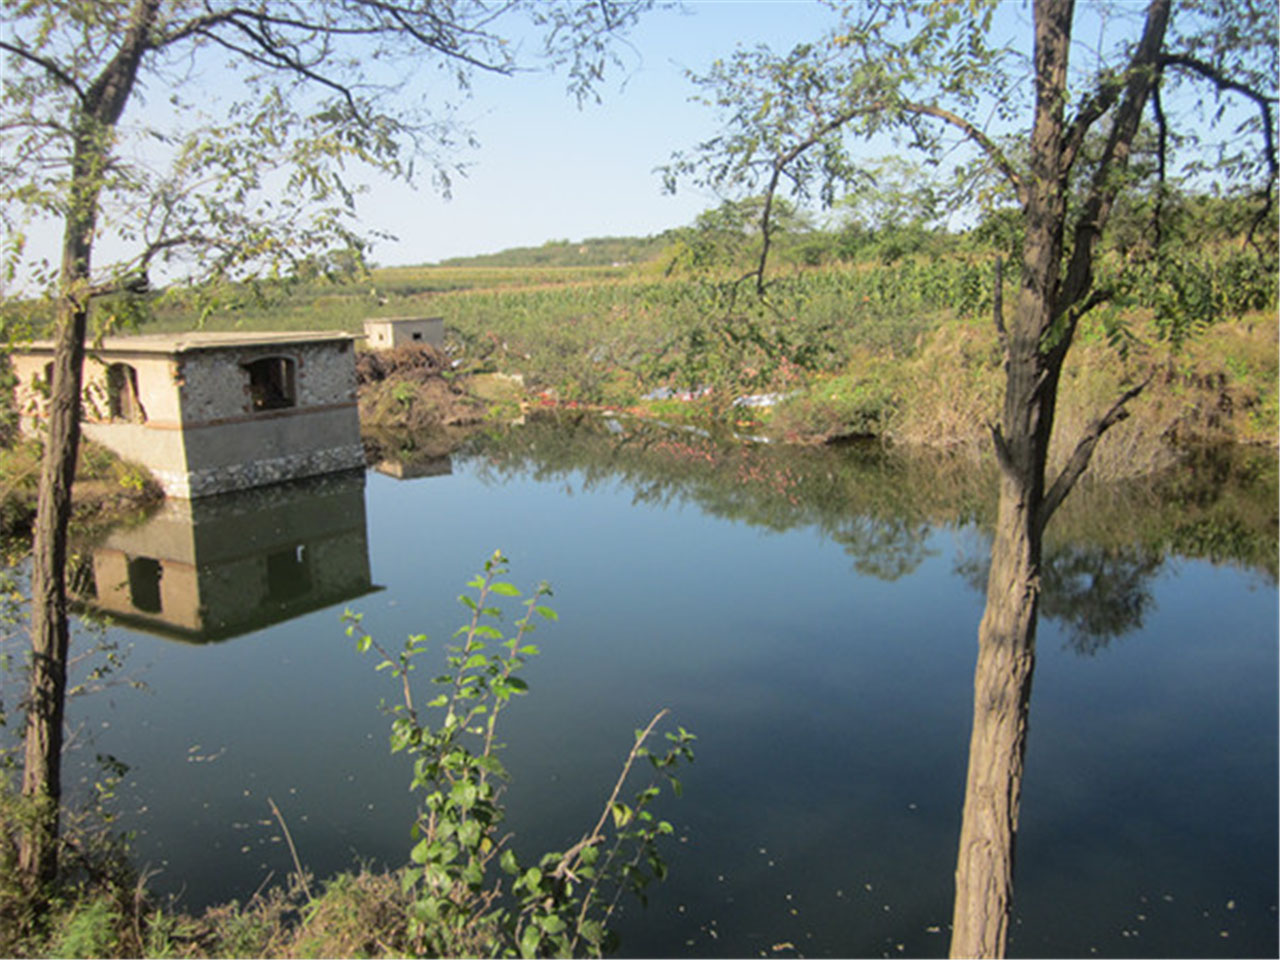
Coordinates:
x,y
218,567
389,332
207,413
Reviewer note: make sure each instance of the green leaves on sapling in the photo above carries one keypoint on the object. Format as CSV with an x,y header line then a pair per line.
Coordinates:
x,y
559,907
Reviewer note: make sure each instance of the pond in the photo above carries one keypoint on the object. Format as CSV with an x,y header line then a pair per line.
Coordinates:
x,y
810,614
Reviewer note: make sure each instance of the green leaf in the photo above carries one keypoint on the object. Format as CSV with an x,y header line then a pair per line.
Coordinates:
x,y
546,612
622,814
529,941
552,924
364,643
508,862
504,589
420,852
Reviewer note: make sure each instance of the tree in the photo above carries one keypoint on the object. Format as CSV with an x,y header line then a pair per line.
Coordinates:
x,y
1059,142
263,186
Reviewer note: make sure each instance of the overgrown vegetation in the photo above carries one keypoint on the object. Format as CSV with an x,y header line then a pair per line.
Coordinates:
x,y
107,487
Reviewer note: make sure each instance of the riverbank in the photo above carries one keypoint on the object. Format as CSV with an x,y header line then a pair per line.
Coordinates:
x,y
107,489
1217,390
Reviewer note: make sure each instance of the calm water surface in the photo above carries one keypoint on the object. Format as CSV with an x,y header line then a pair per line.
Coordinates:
x,y
811,616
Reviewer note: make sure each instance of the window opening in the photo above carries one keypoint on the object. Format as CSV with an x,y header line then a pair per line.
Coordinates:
x,y
144,584
271,383
122,393
288,573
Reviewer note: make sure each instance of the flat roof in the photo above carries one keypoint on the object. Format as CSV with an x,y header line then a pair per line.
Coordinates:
x,y
169,343
400,319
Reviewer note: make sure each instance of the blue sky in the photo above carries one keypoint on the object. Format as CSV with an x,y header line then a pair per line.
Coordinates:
x,y
549,170
546,169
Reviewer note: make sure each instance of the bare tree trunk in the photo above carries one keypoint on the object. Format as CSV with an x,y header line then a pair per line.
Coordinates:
x,y
1035,347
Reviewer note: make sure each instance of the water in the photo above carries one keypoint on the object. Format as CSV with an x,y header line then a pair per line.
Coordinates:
x,y
810,615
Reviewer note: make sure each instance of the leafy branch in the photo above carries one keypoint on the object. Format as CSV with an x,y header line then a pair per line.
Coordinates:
x,y
458,907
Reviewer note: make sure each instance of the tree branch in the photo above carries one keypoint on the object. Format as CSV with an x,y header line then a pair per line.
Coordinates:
x,y
997,309
1140,78
276,60
985,143
783,160
49,65
1004,459
1083,453
1225,83
1264,105
1162,150
1090,112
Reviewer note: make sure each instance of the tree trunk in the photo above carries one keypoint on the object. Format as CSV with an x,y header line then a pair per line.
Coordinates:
x,y
1035,347
42,769
1006,636
1001,697
93,123
41,776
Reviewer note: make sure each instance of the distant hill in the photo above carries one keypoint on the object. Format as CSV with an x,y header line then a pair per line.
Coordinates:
x,y
592,252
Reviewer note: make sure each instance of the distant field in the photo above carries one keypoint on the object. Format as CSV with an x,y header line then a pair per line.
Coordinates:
x,y
387,292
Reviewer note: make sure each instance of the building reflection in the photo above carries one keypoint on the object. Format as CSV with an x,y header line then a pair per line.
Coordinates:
x,y
214,568
414,464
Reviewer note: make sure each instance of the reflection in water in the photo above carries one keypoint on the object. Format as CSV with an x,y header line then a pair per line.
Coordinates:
x,y
1105,543
413,465
1095,593
217,567
855,692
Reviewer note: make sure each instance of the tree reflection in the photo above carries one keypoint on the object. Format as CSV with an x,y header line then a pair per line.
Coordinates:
x,y
886,548
1096,593
881,506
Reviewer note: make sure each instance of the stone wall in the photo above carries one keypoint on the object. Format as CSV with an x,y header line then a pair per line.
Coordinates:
x,y
214,384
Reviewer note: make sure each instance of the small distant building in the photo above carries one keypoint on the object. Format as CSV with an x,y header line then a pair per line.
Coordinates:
x,y
389,332
208,413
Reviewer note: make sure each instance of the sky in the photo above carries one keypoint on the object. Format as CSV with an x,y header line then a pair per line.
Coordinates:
x,y
549,170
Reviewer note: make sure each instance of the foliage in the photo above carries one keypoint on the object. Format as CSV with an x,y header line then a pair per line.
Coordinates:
x,y
561,905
